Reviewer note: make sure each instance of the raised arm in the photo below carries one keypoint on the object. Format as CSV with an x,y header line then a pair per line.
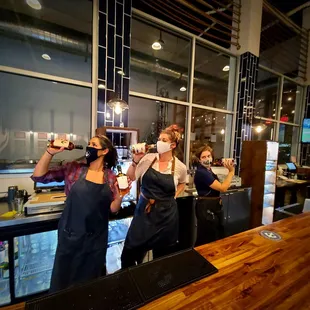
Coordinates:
x,y
42,173
223,187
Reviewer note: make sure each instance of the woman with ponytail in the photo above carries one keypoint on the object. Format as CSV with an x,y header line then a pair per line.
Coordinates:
x,y
155,223
92,192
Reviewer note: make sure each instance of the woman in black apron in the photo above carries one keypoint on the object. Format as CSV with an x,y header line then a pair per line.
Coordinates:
x,y
209,211
155,222
83,227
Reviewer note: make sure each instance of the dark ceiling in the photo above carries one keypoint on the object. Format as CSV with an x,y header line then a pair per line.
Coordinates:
x,y
287,5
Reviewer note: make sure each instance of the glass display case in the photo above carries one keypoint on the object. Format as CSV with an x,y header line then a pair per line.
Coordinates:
x,y
5,296
34,259
270,182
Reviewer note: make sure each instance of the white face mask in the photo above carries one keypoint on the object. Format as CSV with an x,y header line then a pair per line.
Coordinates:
x,y
163,147
206,163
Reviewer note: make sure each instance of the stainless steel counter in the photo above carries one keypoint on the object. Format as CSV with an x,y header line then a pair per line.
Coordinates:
x,y
22,219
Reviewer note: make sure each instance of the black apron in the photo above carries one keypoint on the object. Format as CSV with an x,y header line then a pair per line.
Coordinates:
x,y
82,234
157,228
210,217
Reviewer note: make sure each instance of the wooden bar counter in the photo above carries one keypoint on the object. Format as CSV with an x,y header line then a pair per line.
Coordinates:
x,y
254,272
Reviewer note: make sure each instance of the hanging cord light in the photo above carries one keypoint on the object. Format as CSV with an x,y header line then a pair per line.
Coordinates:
x,y
117,104
158,44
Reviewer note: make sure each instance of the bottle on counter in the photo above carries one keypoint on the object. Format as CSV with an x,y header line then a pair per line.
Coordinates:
x,y
122,182
68,145
142,148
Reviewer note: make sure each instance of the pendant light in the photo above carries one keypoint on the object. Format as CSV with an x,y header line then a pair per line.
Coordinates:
x,y
158,44
117,104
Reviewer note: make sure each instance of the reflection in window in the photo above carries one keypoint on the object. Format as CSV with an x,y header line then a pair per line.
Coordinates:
x,y
55,39
33,111
159,62
212,72
263,130
211,128
288,142
150,117
291,102
266,94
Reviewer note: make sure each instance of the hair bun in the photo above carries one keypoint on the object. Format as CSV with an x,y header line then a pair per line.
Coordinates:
x,y
177,130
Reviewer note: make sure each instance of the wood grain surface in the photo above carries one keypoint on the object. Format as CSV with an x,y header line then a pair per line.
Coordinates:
x,y
254,272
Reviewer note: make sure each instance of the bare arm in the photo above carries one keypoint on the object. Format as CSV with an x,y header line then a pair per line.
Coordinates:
x,y
180,189
116,203
223,187
131,172
43,164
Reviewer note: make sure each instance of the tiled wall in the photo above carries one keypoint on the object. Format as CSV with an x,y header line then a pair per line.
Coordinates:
x,y
245,107
113,59
305,148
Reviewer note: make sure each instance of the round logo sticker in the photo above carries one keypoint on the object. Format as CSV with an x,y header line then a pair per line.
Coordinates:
x,y
270,235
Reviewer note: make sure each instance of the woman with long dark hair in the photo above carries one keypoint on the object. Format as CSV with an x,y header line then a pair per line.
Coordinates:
x,y
92,192
155,225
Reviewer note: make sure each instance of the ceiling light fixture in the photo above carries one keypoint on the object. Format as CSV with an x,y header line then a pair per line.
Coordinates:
x,y
158,44
108,115
289,98
222,131
101,86
226,68
293,112
259,129
34,4
121,72
46,57
183,88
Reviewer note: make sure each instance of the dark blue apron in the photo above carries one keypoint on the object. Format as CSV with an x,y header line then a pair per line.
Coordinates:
x,y
82,235
158,227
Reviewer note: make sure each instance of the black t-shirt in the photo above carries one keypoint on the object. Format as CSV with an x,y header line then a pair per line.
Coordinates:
x,y
203,179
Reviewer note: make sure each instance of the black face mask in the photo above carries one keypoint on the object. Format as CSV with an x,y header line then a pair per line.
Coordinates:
x,y
91,154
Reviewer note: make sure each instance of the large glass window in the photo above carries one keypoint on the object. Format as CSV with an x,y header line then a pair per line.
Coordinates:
x,y
266,94
263,130
213,70
33,111
291,102
288,142
212,128
53,37
151,116
159,62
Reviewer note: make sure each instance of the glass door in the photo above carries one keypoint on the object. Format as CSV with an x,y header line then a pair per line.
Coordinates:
x,y
5,296
34,259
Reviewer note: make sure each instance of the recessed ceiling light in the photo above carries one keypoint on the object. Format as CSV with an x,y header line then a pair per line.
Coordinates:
x,y
289,98
46,57
226,68
34,4
183,88
101,86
